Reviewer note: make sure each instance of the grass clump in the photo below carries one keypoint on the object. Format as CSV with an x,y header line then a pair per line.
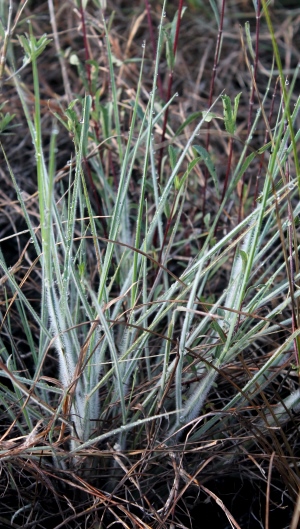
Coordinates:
x,y
150,337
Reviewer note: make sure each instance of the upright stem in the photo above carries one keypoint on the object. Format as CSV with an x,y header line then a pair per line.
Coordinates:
x,y
228,168
86,48
7,35
251,100
262,156
211,92
170,82
95,194
150,26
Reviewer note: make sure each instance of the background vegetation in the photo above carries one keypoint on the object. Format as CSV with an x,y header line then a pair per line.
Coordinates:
x,y
149,264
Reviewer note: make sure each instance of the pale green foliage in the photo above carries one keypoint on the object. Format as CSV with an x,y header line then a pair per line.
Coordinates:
x,y
78,320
